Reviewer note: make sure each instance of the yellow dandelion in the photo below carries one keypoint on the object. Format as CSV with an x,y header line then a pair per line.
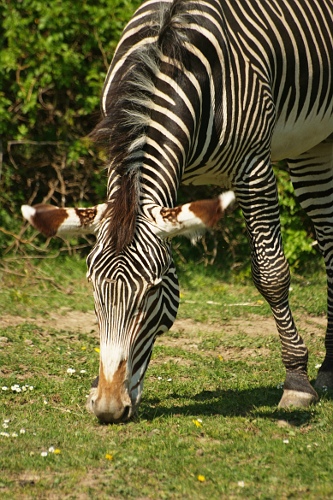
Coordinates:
x,y
220,357
197,423
83,348
108,456
201,478
97,349
57,451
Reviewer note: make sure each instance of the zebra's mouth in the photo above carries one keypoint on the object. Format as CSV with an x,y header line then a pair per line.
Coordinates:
x,y
110,411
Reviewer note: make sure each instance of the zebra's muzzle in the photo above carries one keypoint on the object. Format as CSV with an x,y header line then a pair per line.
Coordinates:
x,y
110,401
109,410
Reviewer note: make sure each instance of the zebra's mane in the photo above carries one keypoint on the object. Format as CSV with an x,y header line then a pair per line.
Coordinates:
x,y
128,104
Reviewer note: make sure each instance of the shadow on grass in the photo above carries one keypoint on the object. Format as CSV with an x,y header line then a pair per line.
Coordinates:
x,y
257,403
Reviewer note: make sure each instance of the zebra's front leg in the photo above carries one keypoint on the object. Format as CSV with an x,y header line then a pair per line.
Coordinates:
x,y
271,276
270,272
297,390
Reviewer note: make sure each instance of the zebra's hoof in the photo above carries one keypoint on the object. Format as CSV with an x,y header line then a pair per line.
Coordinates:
x,y
297,399
324,381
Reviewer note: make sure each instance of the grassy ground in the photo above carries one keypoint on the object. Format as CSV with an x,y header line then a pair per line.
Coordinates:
x,y
208,425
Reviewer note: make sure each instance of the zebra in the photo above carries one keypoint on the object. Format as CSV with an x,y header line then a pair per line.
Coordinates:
x,y
205,92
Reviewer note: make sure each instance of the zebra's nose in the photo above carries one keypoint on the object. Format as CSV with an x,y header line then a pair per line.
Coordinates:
x,y
121,414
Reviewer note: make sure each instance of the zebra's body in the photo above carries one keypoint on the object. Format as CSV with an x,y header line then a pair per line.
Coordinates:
x,y
209,92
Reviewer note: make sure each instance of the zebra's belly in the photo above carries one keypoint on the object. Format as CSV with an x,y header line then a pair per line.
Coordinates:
x,y
290,139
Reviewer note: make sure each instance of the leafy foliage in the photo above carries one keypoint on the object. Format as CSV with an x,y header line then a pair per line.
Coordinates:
x,y
54,58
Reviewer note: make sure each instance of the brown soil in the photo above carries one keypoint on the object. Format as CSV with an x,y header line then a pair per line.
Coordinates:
x,y
185,333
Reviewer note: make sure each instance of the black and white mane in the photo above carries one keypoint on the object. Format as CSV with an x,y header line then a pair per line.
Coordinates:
x,y
123,129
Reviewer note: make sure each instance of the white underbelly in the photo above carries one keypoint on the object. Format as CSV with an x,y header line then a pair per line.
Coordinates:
x,y
290,139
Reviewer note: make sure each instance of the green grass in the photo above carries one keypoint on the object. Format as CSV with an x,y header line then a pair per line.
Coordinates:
x,y
29,287
204,414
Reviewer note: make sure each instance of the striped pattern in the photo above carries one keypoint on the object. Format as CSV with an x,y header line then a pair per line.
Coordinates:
x,y
136,298
211,92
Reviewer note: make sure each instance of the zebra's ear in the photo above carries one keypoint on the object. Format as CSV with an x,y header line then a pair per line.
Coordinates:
x,y
54,221
192,218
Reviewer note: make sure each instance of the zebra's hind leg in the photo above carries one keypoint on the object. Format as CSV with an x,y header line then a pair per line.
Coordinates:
x,y
312,177
257,195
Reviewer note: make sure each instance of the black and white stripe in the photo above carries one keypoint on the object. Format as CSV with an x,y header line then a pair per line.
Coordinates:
x,y
211,92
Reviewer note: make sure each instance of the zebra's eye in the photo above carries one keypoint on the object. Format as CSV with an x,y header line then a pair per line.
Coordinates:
x,y
153,287
155,283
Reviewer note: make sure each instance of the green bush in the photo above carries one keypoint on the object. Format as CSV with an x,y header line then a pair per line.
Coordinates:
x,y
54,59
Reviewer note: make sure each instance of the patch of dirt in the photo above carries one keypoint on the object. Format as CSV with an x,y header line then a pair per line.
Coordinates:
x,y
30,485
185,333
63,319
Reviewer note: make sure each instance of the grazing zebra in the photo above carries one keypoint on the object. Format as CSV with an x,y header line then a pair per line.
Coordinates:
x,y
205,92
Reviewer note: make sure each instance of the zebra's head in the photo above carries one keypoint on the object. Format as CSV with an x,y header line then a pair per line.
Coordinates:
x,y
136,299
135,290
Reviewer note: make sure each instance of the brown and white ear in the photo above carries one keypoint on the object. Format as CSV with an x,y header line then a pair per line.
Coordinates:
x,y
54,221
192,218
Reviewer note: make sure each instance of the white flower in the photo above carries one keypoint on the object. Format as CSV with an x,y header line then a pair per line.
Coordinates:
x,y
5,434
70,371
14,435
5,426
51,449
286,441
169,379
31,387
83,371
241,484
44,454
22,431
4,388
